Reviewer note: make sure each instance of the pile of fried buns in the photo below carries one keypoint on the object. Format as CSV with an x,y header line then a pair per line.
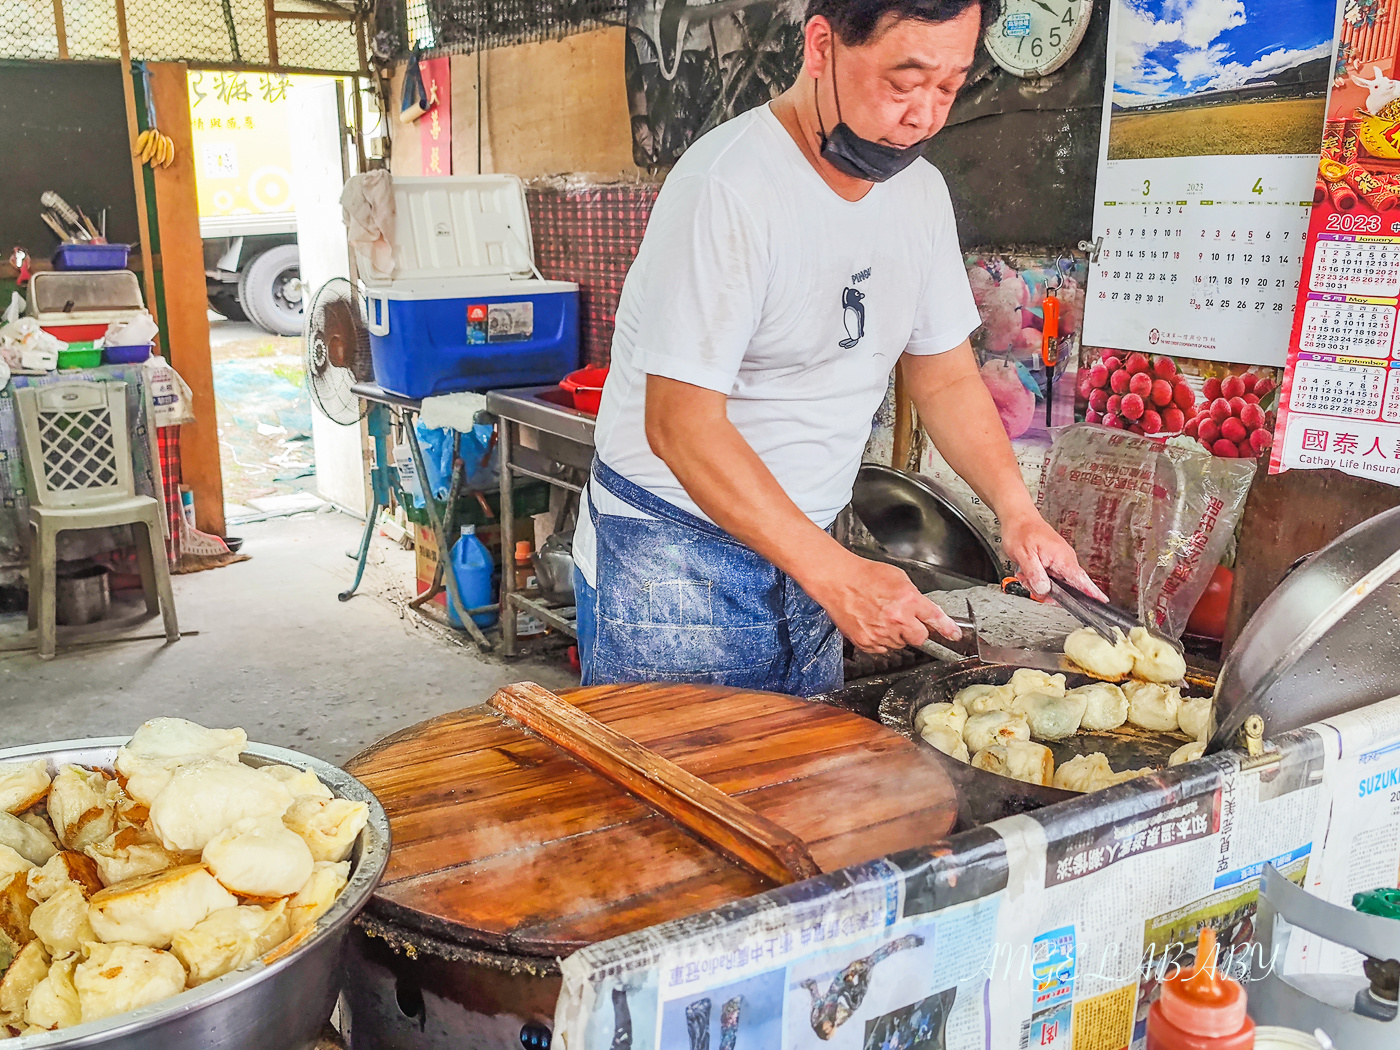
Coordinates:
x,y
120,888
1003,729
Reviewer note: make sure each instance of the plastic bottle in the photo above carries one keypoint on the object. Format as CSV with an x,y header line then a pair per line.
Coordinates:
x,y
472,566
1200,1008
1377,1000
526,624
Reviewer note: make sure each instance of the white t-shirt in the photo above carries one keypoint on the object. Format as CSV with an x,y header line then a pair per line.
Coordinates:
x,y
757,280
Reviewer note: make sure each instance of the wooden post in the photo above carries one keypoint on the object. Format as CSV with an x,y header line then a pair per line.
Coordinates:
x,y
186,299
133,127
903,420
270,13
60,29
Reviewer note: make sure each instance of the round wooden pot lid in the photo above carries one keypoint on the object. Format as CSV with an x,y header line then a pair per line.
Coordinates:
x,y
504,841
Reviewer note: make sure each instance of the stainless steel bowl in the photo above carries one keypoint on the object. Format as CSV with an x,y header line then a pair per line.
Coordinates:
x,y
281,1006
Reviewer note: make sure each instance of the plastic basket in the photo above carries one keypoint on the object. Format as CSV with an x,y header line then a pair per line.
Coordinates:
x,y
91,256
529,498
82,357
126,355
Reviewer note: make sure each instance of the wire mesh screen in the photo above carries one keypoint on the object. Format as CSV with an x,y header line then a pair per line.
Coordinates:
x,y
591,236
464,26
307,44
28,29
309,34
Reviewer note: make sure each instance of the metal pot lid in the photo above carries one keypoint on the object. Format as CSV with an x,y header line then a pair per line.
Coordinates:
x,y
912,518
1323,642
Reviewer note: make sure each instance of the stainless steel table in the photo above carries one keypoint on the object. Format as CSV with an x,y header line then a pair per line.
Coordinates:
x,y
539,431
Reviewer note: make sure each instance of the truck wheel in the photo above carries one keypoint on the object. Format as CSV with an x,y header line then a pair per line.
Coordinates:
x,y
269,289
225,301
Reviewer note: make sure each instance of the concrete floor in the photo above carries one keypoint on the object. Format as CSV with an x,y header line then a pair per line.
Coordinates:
x,y
276,653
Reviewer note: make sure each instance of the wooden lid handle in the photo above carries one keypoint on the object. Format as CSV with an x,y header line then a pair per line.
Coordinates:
x,y
715,818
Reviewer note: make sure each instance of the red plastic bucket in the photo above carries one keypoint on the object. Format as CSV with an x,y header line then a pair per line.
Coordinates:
x,y
76,333
587,387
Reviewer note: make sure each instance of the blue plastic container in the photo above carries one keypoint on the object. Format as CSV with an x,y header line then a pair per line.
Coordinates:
x,y
91,256
519,333
472,566
126,355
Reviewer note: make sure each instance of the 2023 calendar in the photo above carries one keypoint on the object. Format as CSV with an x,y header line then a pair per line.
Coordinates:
x,y
1340,400
1206,171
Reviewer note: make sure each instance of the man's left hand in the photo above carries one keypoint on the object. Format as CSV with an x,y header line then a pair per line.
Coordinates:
x,y
1038,550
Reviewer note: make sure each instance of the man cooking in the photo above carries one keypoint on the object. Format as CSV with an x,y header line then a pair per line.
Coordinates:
x,y
794,255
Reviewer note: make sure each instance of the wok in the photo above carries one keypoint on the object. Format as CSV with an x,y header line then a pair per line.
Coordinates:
x,y
911,519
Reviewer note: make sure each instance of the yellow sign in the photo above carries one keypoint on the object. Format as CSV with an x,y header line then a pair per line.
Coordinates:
x,y
242,154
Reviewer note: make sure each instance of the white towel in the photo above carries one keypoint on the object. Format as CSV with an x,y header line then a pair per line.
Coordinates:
x,y
454,411
368,205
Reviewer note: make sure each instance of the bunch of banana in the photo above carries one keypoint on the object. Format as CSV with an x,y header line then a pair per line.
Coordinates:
x,y
155,148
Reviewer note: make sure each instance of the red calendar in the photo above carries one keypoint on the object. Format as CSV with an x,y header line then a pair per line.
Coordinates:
x,y
1339,405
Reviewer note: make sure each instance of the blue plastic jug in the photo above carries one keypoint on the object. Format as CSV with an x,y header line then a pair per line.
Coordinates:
x,y
472,566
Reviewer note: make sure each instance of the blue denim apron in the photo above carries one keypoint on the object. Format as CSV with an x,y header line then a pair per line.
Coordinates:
x,y
680,600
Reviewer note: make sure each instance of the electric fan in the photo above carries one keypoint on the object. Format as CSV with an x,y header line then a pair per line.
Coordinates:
x,y
337,351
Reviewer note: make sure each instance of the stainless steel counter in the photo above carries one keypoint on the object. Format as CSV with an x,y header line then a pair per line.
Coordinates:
x,y
540,431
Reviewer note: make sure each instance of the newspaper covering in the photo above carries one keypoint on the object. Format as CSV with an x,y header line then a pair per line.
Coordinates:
x,y
1052,929
1358,837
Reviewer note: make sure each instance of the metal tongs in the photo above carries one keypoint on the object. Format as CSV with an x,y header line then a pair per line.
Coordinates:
x,y
1101,616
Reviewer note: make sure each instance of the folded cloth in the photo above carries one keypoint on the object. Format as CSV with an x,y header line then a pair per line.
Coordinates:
x,y
452,411
368,205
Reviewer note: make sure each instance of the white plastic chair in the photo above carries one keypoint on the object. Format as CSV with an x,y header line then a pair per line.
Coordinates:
x,y
78,457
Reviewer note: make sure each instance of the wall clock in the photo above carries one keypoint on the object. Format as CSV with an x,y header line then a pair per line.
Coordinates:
x,y
1036,37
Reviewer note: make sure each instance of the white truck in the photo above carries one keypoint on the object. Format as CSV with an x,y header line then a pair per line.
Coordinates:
x,y
246,213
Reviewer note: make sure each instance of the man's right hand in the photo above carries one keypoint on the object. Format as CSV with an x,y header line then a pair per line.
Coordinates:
x,y
877,607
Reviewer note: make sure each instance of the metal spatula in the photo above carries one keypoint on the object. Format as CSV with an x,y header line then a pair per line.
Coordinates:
x,y
1042,658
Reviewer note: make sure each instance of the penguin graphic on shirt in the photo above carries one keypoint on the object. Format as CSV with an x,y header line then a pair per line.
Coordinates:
x,y
852,316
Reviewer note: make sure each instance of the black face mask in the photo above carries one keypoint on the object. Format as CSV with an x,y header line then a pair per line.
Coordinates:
x,y
860,158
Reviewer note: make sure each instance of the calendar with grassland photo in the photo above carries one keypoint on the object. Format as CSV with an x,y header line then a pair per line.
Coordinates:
x,y
1214,115
1340,400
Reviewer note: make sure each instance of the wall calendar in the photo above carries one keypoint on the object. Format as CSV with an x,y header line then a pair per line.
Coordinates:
x,y
1207,164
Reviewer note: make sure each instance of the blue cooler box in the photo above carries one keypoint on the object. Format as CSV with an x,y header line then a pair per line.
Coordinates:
x,y
499,334
465,308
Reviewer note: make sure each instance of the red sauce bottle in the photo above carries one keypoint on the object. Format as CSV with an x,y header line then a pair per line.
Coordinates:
x,y
1200,1008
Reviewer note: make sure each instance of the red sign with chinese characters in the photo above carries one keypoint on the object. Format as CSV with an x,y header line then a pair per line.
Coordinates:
x,y
435,126
1339,406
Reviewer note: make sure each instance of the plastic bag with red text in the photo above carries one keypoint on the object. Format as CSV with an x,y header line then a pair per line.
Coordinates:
x,y
1148,519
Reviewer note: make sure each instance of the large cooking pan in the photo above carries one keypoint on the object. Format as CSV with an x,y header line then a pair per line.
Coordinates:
x,y
983,796
281,1006
911,518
